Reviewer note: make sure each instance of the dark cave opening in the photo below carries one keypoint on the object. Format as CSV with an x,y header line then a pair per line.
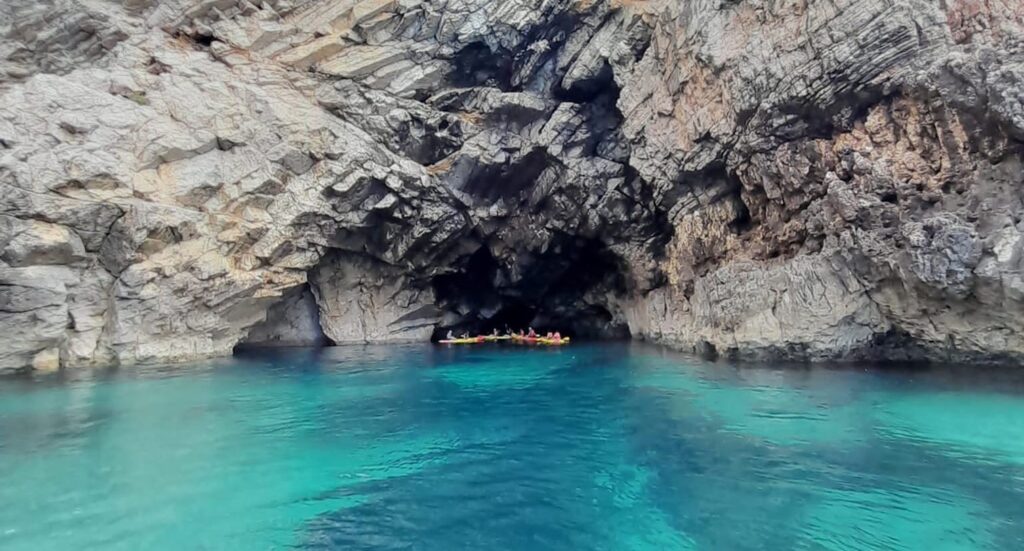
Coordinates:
x,y
564,288
477,65
571,266
513,315
200,40
204,40
472,284
291,321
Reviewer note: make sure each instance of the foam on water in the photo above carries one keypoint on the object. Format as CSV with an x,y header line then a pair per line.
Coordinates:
x,y
618,447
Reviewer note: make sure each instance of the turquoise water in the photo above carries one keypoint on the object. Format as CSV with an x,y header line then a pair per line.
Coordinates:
x,y
616,447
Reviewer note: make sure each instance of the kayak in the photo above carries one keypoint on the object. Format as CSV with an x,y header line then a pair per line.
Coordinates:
x,y
541,340
471,340
553,342
514,338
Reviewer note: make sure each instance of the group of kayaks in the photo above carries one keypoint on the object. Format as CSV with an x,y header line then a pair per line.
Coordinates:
x,y
518,339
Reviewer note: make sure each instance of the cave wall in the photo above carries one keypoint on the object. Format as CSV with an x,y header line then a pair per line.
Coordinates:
x,y
362,300
804,179
874,157
292,321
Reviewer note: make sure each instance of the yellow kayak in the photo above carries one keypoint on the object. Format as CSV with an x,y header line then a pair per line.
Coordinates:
x,y
553,342
492,338
471,340
541,340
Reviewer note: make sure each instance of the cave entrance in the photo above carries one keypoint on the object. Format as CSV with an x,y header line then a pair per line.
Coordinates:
x,y
513,315
566,288
293,321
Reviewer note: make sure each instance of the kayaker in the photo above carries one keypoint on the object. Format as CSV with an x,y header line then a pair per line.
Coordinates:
x,y
532,334
451,336
558,336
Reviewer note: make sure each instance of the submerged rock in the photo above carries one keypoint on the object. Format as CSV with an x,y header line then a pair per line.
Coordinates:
x,y
819,181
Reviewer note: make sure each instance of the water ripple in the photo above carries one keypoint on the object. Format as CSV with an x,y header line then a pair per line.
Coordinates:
x,y
593,447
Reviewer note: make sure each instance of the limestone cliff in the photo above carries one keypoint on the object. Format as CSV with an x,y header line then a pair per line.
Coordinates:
x,y
806,179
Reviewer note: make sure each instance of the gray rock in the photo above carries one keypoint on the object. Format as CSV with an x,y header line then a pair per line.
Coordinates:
x,y
838,179
34,312
294,321
363,301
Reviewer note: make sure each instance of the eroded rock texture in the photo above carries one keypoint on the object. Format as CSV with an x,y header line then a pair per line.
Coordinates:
x,y
869,161
806,179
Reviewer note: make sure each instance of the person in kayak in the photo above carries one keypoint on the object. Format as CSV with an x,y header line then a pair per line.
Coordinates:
x,y
532,334
451,336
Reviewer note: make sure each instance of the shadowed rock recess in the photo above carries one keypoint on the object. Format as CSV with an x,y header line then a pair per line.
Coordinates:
x,y
746,178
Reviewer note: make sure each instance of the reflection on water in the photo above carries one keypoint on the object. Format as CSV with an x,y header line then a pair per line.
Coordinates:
x,y
612,447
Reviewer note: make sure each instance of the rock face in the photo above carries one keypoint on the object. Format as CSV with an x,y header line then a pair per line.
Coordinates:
x,y
363,300
870,154
750,178
294,321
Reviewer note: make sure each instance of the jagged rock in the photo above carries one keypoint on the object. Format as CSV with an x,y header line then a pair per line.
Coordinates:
x,y
809,308
361,61
824,180
364,301
850,139
34,312
33,242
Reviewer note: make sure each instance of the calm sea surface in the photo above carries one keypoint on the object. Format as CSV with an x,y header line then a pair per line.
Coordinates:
x,y
585,447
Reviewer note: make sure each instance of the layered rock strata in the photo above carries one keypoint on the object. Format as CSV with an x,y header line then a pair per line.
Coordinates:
x,y
748,178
